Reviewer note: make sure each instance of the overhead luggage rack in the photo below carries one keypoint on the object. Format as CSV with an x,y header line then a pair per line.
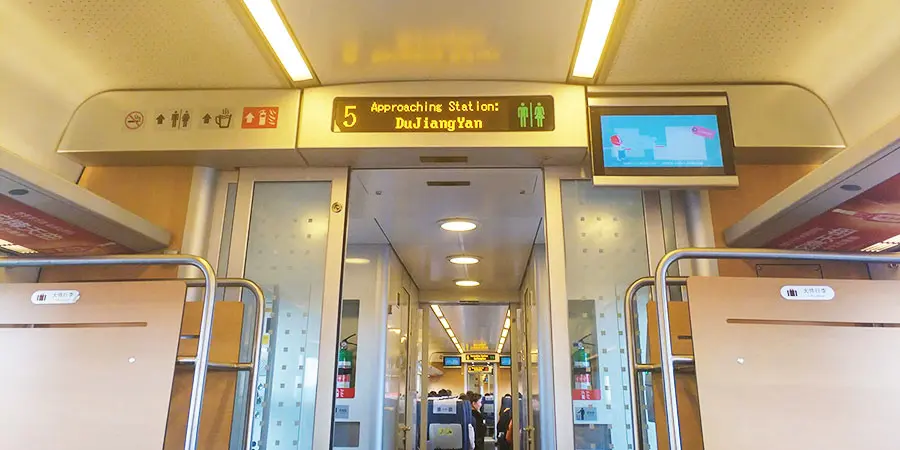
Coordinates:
x,y
48,215
822,310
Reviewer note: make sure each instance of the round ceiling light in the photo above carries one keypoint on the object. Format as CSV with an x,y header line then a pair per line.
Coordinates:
x,y
464,259
467,283
357,261
458,225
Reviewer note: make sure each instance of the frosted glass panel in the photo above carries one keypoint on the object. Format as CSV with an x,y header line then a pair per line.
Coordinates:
x,y
286,256
606,250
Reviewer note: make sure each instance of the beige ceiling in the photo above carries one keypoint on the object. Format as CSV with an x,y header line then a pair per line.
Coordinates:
x,y
56,53
391,40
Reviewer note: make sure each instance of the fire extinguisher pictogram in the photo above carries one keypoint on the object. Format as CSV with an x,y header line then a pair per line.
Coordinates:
x,y
345,364
581,365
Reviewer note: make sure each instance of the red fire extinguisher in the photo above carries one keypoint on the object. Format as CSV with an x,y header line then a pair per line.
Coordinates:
x,y
345,364
581,366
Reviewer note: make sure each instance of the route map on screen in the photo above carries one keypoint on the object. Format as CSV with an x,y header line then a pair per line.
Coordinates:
x,y
663,141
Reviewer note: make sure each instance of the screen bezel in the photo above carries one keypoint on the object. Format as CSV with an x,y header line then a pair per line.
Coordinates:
x,y
457,358
726,138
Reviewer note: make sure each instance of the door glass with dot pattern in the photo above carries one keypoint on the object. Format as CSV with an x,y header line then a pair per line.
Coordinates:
x,y
606,250
286,251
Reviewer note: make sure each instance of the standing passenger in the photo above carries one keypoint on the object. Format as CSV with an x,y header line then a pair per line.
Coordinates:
x,y
478,418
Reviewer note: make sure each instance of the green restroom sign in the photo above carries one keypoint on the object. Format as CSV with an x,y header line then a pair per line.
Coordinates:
x,y
443,114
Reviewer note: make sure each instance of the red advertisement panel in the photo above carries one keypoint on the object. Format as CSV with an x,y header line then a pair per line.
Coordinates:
x,y
23,225
866,219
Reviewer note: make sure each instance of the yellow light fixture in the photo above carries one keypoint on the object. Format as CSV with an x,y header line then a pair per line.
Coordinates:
x,y
458,225
270,22
504,333
464,259
467,283
594,37
506,324
357,261
446,324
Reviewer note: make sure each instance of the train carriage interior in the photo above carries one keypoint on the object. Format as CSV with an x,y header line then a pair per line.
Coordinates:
x,y
399,225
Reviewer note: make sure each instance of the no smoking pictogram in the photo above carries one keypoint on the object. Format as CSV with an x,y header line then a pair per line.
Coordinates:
x,y
134,120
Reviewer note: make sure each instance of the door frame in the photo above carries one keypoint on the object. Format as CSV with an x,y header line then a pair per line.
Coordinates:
x,y
324,383
556,267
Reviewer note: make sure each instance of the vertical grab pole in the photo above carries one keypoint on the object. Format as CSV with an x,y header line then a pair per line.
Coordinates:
x,y
258,331
198,387
256,356
631,360
631,354
661,291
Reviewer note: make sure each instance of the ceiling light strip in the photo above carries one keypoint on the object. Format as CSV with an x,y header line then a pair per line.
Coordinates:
x,y
594,37
505,331
446,325
275,30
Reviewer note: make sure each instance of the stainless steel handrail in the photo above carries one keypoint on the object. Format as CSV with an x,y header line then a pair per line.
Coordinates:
x,y
200,368
660,290
258,331
633,361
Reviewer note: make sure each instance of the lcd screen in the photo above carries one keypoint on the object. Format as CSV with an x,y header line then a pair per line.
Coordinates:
x,y
452,361
661,141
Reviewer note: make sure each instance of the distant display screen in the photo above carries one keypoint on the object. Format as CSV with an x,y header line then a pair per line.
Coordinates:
x,y
452,361
661,141
505,361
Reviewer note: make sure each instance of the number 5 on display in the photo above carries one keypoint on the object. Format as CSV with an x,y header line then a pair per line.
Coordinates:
x,y
349,116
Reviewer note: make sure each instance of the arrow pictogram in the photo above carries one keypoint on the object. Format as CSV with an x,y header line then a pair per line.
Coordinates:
x,y
249,118
206,118
159,119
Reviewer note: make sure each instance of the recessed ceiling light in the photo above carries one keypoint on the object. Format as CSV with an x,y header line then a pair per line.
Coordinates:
x,y
444,322
851,187
467,283
504,332
357,261
458,225
464,259
273,28
18,192
594,36
437,311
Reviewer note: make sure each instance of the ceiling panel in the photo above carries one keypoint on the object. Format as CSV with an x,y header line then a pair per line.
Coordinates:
x,y
504,202
54,54
824,45
133,45
471,323
396,40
